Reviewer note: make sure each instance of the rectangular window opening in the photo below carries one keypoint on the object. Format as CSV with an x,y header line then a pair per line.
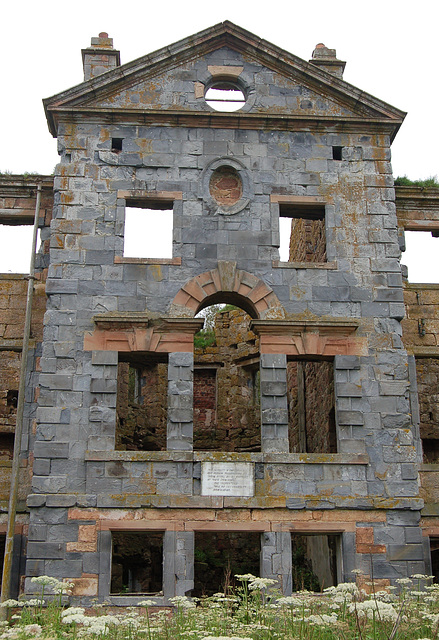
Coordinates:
x,y
315,561
311,406
6,446
427,377
137,563
220,555
16,247
116,144
148,229
420,256
302,233
434,554
141,410
205,413
337,153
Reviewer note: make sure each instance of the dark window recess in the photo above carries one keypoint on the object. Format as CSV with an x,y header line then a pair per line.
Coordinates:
x,y
427,376
311,406
116,145
220,555
304,240
337,153
314,561
141,404
6,446
430,447
137,563
434,553
12,398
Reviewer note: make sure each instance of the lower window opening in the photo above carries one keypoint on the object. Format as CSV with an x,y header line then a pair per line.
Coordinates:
x,y
137,563
142,390
6,446
430,448
311,406
314,561
221,555
434,554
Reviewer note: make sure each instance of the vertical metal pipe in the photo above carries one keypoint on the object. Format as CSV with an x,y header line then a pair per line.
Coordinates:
x,y
12,510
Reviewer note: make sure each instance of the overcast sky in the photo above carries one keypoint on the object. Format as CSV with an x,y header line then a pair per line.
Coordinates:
x,y
390,48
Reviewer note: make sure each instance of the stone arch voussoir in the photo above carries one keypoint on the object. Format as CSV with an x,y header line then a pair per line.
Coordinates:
x,y
229,284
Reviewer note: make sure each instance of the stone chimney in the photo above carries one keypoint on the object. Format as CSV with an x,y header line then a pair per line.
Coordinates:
x,y
100,56
327,59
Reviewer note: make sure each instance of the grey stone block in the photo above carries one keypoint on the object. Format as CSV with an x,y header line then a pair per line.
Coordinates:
x,y
44,449
398,552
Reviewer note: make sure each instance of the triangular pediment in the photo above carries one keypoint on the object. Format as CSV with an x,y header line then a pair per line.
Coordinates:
x,y
172,81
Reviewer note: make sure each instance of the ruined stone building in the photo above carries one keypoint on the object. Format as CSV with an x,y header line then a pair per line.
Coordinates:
x,y
298,437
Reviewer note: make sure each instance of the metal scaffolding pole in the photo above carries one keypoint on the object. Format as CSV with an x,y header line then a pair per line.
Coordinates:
x,y
12,510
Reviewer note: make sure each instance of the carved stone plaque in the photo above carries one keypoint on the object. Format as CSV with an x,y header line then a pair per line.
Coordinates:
x,y
227,479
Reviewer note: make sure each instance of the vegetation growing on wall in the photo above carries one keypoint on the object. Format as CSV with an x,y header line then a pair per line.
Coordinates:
x,y
403,181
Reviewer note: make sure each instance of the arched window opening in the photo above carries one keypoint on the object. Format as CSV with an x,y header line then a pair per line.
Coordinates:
x,y
226,382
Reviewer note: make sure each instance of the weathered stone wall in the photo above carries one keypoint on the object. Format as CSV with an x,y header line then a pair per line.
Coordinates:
x,y
348,309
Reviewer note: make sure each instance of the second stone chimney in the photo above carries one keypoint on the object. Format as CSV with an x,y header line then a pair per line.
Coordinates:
x,y
327,59
100,56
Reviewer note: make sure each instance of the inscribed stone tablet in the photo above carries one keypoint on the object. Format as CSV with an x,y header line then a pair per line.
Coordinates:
x,y
227,479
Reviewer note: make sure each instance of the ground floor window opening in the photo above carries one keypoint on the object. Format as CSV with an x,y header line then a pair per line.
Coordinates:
x,y
137,563
434,555
311,406
220,555
314,561
142,391
2,553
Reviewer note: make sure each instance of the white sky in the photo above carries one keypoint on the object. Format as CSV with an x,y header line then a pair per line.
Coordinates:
x,y
390,48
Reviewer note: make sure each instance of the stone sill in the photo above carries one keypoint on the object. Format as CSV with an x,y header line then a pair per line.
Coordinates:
x,y
15,344
132,600
123,260
420,351
425,286
429,467
277,264
209,456
14,276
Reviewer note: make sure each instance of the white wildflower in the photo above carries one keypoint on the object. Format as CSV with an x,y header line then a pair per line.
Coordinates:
x,y
260,583
245,576
182,601
322,619
33,629
11,603
374,609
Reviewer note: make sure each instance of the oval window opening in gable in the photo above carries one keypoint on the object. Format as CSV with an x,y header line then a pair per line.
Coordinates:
x,y
226,186
225,95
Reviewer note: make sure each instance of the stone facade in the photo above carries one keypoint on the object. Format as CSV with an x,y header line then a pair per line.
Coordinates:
x,y
305,145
